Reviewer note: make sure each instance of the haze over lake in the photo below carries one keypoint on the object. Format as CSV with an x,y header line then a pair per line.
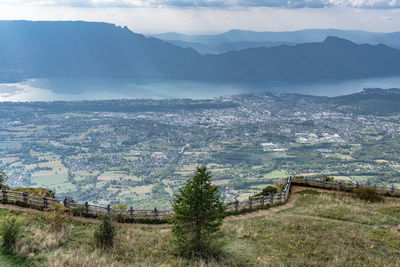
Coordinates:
x,y
103,89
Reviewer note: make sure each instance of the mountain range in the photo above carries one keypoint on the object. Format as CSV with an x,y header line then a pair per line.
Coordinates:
x,y
240,39
89,49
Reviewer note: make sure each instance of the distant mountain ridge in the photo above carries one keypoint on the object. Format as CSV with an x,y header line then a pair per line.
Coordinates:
x,y
241,39
88,49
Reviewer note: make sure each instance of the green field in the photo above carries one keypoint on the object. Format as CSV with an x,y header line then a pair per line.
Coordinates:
x,y
276,174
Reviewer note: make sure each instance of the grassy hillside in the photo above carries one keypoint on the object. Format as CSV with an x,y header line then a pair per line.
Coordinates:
x,y
322,228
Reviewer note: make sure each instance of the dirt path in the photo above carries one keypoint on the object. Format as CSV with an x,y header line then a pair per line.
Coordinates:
x,y
289,204
80,219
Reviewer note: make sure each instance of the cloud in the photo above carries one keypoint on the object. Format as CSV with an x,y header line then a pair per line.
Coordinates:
x,y
362,4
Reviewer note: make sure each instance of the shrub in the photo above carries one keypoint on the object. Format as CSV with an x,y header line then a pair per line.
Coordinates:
x,y
105,233
267,191
119,217
57,219
38,192
78,211
369,194
327,178
280,187
10,230
199,212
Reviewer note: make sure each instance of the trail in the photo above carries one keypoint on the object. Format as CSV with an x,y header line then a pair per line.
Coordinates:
x,y
289,204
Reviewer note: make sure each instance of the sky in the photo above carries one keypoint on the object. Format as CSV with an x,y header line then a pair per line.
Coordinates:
x,y
212,16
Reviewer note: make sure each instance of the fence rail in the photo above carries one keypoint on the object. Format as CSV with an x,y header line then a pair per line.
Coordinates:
x,y
88,210
130,215
346,186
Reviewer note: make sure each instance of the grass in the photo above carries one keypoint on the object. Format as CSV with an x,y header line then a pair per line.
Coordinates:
x,y
8,260
321,229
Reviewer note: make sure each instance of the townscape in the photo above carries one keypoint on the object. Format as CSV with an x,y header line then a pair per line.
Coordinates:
x,y
139,152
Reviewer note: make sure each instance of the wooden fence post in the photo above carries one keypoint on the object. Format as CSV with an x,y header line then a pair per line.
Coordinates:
x,y
66,203
86,208
155,213
131,213
339,185
236,206
392,190
108,209
250,202
4,193
262,201
45,202
272,198
25,196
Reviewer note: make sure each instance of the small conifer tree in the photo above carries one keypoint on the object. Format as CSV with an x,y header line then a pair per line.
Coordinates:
x,y
105,233
198,216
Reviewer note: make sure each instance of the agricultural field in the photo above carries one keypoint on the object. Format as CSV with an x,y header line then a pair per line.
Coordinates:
x,y
140,152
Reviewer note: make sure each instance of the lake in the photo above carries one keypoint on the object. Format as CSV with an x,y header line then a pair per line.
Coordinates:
x,y
102,89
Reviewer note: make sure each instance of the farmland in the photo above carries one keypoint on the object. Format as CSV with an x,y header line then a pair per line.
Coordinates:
x,y
139,152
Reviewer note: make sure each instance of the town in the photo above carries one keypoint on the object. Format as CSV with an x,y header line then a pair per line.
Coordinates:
x,y
139,152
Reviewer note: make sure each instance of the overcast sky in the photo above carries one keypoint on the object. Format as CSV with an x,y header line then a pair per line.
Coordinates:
x,y
206,16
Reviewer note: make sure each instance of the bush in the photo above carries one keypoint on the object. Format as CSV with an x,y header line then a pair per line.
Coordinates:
x,y
120,217
78,211
328,178
369,194
267,191
57,219
105,233
280,187
38,192
10,230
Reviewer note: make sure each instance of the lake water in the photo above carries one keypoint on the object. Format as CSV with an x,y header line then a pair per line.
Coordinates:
x,y
101,89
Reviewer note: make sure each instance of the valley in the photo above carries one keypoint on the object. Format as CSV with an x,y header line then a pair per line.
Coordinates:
x,y
139,152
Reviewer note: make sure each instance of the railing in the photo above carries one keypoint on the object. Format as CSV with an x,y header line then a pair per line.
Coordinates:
x,y
260,201
131,215
345,186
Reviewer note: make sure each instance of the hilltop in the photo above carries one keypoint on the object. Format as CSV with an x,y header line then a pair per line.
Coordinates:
x,y
90,49
242,39
321,228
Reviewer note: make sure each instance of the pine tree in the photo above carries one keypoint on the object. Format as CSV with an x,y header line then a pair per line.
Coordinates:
x,y
198,216
105,232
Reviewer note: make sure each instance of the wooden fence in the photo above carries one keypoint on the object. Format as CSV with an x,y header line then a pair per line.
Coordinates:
x,y
131,215
345,186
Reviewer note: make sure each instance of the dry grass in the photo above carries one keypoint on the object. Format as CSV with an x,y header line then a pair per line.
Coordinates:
x,y
322,229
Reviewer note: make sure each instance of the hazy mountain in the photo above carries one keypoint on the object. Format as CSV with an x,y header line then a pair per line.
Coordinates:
x,y
82,49
239,39
62,49
333,59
